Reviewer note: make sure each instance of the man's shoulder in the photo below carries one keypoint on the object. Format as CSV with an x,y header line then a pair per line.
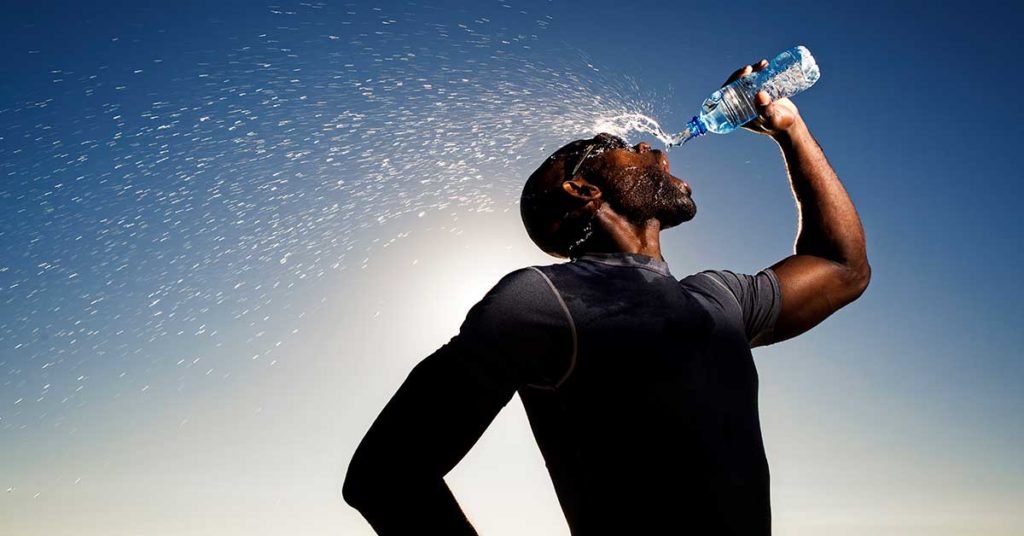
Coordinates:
x,y
533,290
519,279
716,285
524,288
533,275
735,289
523,299
706,279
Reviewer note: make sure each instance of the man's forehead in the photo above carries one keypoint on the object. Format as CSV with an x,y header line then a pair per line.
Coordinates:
x,y
596,145
574,147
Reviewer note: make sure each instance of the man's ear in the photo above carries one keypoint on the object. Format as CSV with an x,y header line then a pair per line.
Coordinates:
x,y
582,189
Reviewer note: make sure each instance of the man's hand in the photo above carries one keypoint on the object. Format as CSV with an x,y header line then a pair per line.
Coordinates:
x,y
773,118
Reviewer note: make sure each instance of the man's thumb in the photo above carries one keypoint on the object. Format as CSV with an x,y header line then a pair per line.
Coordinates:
x,y
762,100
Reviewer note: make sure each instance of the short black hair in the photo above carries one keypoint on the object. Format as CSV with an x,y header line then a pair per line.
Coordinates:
x,y
550,222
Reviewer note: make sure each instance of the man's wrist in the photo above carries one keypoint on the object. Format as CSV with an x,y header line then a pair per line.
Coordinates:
x,y
796,134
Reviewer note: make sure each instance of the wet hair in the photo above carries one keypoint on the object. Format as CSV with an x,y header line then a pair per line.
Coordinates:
x,y
557,227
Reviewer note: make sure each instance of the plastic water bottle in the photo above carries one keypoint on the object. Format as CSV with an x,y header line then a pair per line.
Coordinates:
x,y
733,106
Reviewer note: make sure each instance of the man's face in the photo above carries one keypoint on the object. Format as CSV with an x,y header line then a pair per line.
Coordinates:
x,y
636,182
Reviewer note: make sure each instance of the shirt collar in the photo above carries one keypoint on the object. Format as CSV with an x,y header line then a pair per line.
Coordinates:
x,y
633,260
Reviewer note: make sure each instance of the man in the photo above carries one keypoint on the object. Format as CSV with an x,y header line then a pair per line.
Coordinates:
x,y
640,388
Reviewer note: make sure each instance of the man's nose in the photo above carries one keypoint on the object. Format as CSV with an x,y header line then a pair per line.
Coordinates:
x,y
643,147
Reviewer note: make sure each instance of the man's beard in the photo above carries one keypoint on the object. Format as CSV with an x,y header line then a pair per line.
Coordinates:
x,y
655,196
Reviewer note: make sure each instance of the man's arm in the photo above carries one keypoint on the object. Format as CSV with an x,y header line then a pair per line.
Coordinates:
x,y
830,266
516,335
396,478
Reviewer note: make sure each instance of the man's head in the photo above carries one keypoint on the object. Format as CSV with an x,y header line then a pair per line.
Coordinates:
x,y
603,175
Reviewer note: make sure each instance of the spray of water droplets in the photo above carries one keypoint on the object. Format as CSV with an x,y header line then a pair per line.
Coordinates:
x,y
163,209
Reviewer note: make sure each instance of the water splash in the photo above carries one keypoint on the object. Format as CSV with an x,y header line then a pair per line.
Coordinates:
x,y
167,216
623,125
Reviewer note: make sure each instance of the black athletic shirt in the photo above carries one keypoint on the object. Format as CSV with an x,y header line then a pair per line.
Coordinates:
x,y
640,388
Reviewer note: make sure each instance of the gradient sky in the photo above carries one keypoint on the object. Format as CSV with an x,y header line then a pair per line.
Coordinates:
x,y
230,229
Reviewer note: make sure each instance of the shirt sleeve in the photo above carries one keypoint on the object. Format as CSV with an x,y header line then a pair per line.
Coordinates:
x,y
759,299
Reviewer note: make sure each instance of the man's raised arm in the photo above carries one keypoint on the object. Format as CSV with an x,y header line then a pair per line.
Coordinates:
x,y
830,266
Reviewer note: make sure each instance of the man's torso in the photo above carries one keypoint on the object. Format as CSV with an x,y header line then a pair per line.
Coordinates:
x,y
653,424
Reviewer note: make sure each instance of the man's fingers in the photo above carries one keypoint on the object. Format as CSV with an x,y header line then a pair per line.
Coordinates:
x,y
762,99
747,69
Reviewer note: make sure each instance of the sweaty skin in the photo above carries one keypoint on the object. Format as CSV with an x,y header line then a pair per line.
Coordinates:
x,y
633,197
640,388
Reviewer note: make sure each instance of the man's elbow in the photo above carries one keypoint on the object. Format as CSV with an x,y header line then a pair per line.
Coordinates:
x,y
372,482
857,278
362,487
354,491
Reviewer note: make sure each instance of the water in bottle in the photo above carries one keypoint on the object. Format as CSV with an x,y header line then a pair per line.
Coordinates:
x,y
732,106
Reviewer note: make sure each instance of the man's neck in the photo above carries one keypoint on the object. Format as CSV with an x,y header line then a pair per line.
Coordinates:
x,y
617,235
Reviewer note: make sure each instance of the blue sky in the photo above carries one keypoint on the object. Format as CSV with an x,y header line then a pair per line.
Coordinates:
x,y
229,231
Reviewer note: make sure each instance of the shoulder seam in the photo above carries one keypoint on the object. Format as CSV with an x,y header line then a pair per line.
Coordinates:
x,y
572,331
723,285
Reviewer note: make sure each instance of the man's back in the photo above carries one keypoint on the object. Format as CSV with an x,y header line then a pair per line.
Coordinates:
x,y
653,424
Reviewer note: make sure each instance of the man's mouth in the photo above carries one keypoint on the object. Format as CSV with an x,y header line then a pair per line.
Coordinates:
x,y
683,185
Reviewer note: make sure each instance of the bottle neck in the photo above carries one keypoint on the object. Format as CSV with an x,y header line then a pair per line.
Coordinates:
x,y
696,127
693,129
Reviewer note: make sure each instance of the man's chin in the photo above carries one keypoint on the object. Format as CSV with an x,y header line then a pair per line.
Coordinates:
x,y
679,216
